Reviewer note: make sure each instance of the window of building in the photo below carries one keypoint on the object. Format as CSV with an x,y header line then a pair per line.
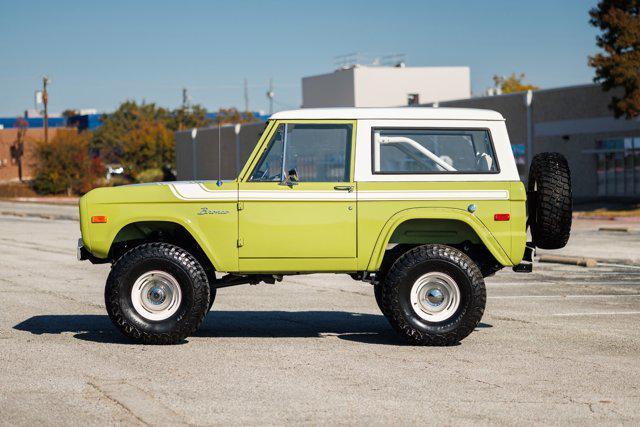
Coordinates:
x,y
618,166
413,99
311,152
416,151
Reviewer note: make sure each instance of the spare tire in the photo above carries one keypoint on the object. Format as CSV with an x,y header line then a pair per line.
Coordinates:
x,y
549,200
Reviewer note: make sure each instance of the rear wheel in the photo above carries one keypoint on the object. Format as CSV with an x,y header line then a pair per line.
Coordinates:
x,y
549,202
433,295
157,293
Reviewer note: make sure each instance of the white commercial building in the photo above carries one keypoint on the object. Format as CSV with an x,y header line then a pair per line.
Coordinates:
x,y
375,86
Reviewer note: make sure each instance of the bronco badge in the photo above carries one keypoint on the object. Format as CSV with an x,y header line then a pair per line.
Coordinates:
x,y
207,211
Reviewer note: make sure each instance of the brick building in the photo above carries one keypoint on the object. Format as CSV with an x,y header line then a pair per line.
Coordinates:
x,y
8,166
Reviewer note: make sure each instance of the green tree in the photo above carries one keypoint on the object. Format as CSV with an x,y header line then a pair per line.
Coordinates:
x,y
63,165
619,65
188,117
512,84
136,136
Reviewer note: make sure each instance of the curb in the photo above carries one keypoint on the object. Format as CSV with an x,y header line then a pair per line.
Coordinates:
x,y
568,260
41,216
587,262
615,229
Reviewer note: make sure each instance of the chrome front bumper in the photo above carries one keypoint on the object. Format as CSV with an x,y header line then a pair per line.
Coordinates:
x,y
82,253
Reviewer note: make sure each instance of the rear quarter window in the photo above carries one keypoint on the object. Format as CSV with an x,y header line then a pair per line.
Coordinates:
x,y
431,151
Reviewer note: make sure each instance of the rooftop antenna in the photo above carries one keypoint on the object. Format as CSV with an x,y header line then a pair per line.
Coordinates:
x,y
270,95
246,96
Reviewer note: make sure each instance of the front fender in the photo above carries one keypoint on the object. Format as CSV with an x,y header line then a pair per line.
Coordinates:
x,y
435,213
101,248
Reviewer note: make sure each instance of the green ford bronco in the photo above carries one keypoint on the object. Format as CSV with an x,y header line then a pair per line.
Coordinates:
x,y
421,202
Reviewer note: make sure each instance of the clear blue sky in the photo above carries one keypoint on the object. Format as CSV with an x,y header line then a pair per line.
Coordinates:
x,y
101,53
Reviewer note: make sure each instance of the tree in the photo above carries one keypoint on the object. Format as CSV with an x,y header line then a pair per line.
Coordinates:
x,y
136,136
69,112
513,83
63,165
619,65
188,117
17,148
232,115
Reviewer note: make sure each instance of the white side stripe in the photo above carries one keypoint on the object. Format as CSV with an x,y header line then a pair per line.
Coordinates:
x,y
197,191
433,195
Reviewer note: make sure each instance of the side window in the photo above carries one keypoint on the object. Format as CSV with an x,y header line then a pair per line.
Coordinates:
x,y
269,167
407,151
312,153
319,153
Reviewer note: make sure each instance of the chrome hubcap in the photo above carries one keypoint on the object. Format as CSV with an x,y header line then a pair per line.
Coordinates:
x,y
435,297
156,295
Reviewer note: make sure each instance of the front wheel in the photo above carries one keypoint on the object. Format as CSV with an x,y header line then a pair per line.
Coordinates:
x,y
157,293
433,295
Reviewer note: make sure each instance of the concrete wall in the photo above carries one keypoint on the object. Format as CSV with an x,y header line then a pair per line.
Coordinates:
x,y
385,86
206,145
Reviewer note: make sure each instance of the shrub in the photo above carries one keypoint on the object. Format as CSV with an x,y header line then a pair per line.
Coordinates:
x,y
150,175
64,165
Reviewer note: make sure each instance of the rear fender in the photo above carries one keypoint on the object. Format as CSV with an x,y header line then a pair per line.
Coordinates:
x,y
440,214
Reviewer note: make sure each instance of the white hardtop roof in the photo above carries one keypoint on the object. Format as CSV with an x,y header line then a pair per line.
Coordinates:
x,y
410,113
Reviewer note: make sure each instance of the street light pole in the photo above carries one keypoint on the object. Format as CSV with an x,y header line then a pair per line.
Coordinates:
x,y
45,100
236,130
194,159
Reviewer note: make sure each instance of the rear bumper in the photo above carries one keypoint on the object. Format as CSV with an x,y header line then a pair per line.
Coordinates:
x,y
526,266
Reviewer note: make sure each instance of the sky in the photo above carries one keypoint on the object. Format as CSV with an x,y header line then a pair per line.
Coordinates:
x,y
98,54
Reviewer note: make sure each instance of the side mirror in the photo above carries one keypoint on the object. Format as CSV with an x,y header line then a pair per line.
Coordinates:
x,y
291,179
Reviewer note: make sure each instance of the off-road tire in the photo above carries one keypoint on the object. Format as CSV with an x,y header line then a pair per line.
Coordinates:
x,y
396,287
212,297
191,278
390,257
550,206
211,278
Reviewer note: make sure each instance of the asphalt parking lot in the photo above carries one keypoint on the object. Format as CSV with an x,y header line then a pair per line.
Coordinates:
x,y
560,345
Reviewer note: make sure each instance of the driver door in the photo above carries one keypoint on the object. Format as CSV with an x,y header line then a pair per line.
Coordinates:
x,y
298,204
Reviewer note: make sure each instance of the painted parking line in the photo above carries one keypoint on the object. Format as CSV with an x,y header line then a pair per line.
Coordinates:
x,y
563,296
606,264
561,283
599,313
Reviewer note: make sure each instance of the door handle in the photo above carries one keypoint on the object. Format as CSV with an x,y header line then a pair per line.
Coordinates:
x,y
348,188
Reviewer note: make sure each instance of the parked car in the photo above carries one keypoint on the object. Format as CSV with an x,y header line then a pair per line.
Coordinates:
x,y
421,202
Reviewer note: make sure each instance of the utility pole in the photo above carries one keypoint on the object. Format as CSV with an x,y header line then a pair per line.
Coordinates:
x,y
185,98
246,96
270,95
45,100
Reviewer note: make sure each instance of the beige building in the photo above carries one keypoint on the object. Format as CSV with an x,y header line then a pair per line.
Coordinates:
x,y
375,86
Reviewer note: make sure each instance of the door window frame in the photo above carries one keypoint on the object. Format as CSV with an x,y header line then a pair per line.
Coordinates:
x,y
272,128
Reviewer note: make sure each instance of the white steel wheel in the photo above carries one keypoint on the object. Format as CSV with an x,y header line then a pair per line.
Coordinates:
x,y
156,295
435,297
